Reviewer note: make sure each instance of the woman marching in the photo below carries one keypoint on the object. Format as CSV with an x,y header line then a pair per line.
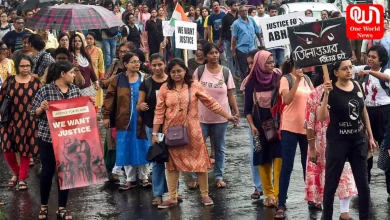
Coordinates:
x,y
346,136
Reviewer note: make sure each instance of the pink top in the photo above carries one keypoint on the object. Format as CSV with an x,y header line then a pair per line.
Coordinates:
x,y
143,18
216,88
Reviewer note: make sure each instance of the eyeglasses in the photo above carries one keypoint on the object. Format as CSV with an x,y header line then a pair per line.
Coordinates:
x,y
123,51
177,72
24,66
135,62
4,49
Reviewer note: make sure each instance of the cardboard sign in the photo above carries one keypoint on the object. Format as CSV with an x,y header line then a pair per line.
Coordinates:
x,y
274,29
167,29
185,35
319,42
76,141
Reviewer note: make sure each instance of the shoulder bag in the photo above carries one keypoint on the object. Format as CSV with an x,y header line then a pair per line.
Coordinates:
x,y
5,104
178,135
270,131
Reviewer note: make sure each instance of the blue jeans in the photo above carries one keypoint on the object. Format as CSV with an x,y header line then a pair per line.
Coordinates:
x,y
230,63
109,48
278,55
289,146
219,131
254,169
159,182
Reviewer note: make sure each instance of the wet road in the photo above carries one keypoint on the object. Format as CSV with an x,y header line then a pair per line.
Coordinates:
x,y
106,202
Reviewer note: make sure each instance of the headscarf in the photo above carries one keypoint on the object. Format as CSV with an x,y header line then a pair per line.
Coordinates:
x,y
263,81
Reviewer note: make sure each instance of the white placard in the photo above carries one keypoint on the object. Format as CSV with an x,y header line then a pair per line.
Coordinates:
x,y
275,28
306,19
185,35
167,29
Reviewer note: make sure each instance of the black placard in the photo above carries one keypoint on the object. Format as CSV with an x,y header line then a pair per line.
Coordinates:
x,y
319,42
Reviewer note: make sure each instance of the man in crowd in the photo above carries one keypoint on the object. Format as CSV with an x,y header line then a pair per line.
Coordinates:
x,y
244,31
50,40
226,34
260,15
214,24
277,52
14,39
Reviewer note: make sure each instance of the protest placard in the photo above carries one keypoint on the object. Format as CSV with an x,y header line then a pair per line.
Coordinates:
x,y
185,35
167,29
319,42
76,142
274,29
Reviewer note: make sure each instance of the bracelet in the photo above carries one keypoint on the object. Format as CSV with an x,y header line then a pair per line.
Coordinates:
x,y
310,139
154,134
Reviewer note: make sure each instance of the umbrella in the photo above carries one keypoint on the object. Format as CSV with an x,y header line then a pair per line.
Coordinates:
x,y
72,17
32,4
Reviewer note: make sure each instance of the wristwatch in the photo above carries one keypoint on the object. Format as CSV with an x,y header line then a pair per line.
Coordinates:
x,y
154,134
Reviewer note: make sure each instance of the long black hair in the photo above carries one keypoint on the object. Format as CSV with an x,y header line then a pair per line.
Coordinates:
x,y
187,77
55,70
82,49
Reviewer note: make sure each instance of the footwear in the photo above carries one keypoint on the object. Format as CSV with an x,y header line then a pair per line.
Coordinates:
x,y
207,201
63,214
43,212
157,201
388,198
270,202
313,205
180,198
167,204
194,184
220,184
13,181
280,213
2,204
146,184
22,185
128,185
257,194
345,219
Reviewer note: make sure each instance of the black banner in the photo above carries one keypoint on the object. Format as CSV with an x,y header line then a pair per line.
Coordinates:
x,y
320,42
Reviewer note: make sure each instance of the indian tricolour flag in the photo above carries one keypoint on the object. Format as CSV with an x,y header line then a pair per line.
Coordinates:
x,y
178,15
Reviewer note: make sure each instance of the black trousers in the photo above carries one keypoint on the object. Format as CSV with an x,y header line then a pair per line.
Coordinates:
x,y
48,161
379,119
242,63
337,152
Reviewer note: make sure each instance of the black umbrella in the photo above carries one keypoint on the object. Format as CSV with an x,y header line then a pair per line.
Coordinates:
x,y
32,4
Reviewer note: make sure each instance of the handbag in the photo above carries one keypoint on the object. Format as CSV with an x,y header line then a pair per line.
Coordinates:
x,y
383,158
178,135
270,132
158,153
5,105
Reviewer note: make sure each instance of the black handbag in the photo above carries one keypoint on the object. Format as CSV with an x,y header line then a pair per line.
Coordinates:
x,y
383,158
158,153
5,110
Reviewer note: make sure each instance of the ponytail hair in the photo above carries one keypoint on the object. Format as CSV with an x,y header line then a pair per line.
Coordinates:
x,y
55,70
288,65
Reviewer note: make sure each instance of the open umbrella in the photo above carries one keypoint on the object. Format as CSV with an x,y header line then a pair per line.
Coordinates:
x,y
73,17
32,4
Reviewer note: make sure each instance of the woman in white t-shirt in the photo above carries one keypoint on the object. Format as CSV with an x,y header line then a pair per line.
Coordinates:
x,y
376,86
213,79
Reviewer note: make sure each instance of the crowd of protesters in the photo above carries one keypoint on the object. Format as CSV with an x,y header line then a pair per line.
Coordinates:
x,y
133,80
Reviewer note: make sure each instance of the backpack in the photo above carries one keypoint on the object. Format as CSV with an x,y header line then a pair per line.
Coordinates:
x,y
112,32
382,83
225,72
277,104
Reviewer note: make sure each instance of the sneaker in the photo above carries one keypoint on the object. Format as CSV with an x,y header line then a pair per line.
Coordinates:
x,y
167,204
207,201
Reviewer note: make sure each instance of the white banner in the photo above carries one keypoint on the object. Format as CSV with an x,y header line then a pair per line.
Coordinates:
x,y
167,29
275,28
185,35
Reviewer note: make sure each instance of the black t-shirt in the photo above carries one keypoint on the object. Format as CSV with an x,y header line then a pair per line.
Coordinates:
x,y
134,35
227,23
148,115
14,39
346,113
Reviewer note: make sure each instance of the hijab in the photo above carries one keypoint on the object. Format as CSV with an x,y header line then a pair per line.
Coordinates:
x,y
263,81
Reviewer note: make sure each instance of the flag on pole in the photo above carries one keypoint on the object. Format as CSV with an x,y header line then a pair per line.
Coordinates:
x,y
178,15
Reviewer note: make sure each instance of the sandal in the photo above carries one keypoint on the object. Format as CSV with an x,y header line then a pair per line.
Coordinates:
x,y
280,213
63,214
313,205
167,204
221,184
127,186
207,201
2,204
194,184
22,185
180,198
257,194
146,184
270,202
43,212
12,182
157,201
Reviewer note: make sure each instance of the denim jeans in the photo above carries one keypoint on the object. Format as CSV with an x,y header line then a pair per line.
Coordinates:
x,y
254,169
159,182
222,56
109,48
278,55
230,63
289,147
219,145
